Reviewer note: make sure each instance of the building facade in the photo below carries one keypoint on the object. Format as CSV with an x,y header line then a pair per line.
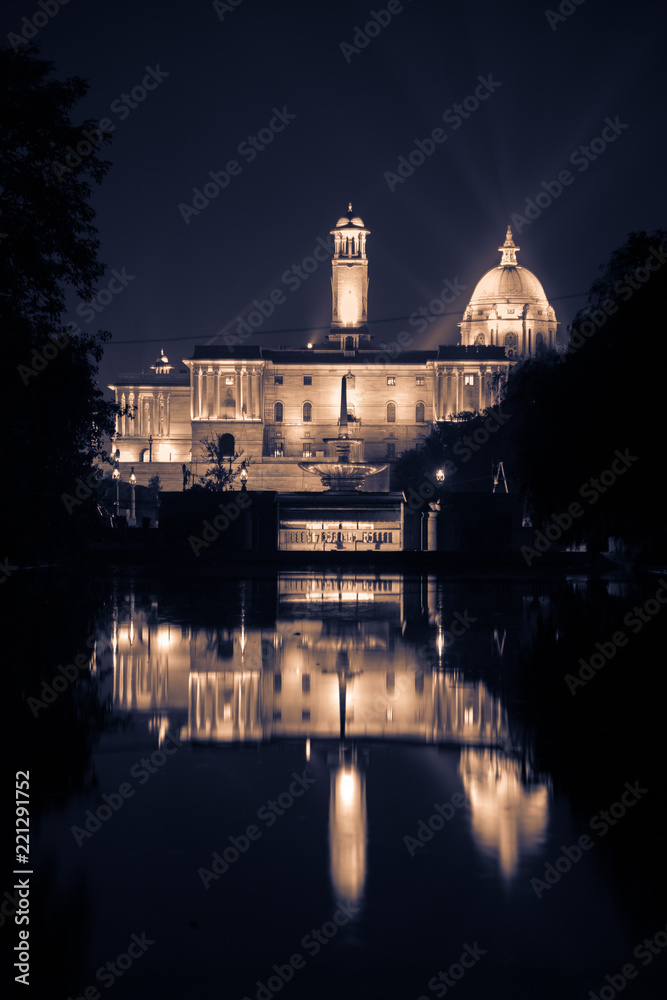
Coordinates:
x,y
279,406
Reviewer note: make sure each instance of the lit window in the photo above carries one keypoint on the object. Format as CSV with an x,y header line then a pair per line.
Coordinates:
x,y
391,380
229,380
278,412
307,412
307,379
420,380
307,453
278,380
278,450
391,413
420,413
469,379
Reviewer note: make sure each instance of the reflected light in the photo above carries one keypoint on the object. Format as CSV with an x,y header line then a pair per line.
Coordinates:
x,y
508,817
347,831
308,748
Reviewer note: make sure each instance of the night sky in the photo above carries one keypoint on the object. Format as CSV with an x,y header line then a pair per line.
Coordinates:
x,y
224,70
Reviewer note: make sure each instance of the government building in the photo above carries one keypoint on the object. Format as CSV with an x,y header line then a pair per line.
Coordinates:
x,y
282,406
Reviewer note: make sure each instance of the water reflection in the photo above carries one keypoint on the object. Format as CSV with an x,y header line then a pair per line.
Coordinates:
x,y
347,826
509,809
337,664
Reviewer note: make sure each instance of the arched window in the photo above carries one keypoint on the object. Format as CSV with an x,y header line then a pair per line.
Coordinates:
x,y
391,413
278,412
420,413
539,342
307,412
511,344
146,455
479,340
227,445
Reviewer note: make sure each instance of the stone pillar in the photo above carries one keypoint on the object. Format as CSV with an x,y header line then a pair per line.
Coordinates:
x,y
167,413
432,526
460,391
251,394
237,412
215,405
483,401
480,405
130,420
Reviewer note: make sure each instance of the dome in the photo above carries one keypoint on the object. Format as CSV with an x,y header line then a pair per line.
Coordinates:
x,y
509,309
504,283
350,220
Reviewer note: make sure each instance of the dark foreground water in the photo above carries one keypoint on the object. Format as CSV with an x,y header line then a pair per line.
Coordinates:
x,y
343,784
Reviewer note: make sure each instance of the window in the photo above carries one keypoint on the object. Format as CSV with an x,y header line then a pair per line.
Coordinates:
x,y
307,379
277,683
420,413
420,380
391,450
307,412
349,343
278,412
468,379
229,380
278,449
305,715
391,380
227,445
307,453
391,413
390,682
305,683
278,380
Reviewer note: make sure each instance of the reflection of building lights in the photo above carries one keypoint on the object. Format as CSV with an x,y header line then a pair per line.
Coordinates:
x,y
347,831
440,642
347,787
468,716
308,748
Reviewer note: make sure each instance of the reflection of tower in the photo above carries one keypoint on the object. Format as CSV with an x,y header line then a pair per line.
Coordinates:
x,y
347,827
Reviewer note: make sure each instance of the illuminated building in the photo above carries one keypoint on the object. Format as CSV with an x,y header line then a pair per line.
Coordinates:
x,y
281,406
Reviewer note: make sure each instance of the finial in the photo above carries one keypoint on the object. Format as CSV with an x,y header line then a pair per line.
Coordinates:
x,y
349,207
509,250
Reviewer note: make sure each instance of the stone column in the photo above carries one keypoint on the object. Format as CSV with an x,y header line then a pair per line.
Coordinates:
x,y
237,412
432,526
482,388
167,413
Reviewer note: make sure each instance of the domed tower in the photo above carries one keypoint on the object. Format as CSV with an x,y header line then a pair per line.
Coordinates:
x,y
349,282
509,309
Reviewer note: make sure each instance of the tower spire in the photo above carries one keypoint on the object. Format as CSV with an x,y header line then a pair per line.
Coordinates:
x,y
509,250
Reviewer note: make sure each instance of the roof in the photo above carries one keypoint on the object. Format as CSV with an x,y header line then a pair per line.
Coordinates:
x,y
445,352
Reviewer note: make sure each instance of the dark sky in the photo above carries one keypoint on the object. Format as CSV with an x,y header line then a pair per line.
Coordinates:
x,y
354,116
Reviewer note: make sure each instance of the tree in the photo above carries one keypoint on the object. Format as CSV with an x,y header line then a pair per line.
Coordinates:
x,y
55,419
221,474
575,413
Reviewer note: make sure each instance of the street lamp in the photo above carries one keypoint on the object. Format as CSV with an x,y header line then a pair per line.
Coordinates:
x,y
115,475
244,477
440,475
133,482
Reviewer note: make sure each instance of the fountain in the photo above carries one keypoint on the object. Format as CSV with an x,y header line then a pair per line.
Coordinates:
x,y
339,474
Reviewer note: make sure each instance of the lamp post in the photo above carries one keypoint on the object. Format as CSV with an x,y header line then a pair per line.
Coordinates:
x,y
133,482
115,475
440,475
244,477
